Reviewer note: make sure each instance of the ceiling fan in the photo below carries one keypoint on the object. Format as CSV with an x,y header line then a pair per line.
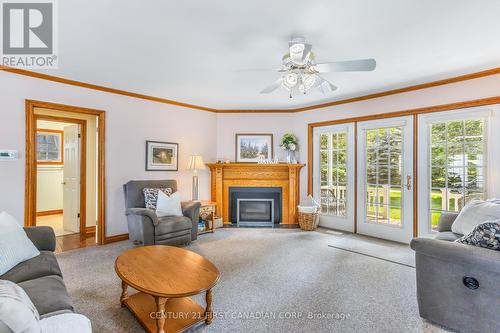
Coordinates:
x,y
300,73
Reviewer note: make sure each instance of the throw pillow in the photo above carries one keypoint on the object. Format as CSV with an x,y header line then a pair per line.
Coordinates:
x,y
15,246
484,235
475,213
17,312
66,322
151,196
168,205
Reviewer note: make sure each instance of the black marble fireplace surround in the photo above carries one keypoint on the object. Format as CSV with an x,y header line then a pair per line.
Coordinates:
x,y
255,193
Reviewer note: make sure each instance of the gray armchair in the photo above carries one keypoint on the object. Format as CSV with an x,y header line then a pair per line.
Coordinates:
x,y
146,228
457,284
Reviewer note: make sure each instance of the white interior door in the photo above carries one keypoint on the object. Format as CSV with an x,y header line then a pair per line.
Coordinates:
x,y
385,184
71,183
333,175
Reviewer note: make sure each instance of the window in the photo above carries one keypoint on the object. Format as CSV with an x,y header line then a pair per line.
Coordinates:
x,y
457,165
384,187
333,173
49,147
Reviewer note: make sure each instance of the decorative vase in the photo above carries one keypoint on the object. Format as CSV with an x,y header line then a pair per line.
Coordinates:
x,y
289,156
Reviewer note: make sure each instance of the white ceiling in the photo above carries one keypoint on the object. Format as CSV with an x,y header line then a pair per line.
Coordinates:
x,y
193,50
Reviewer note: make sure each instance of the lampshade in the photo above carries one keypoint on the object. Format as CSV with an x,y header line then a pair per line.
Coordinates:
x,y
196,162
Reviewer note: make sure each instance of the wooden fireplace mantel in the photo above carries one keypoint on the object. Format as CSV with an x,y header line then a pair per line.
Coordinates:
x,y
226,175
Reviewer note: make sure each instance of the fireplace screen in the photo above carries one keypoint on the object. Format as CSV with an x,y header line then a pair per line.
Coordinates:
x,y
255,212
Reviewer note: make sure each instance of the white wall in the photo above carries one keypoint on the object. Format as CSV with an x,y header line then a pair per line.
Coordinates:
x,y
231,123
129,123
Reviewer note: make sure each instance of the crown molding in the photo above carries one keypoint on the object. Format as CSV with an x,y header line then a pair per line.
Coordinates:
x,y
102,88
470,76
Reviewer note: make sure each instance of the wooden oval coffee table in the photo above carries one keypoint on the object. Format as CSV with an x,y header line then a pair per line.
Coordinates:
x,y
165,277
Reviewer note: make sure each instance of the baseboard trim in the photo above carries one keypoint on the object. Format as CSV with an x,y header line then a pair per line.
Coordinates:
x,y
90,231
49,212
115,238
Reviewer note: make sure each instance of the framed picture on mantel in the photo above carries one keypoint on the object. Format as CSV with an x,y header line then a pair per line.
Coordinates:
x,y
252,147
161,156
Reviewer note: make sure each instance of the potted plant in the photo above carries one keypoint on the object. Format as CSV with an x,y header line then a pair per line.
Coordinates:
x,y
289,144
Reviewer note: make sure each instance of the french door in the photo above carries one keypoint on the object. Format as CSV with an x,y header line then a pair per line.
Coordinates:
x,y
385,178
333,175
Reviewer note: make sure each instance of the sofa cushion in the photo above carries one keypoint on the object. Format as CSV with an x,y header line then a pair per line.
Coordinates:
x,y
17,312
15,246
48,293
448,236
170,224
485,235
41,265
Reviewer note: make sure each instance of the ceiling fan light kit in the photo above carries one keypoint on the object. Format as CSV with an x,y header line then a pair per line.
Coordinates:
x,y
300,72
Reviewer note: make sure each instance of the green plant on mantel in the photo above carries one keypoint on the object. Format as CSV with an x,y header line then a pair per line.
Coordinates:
x,y
289,142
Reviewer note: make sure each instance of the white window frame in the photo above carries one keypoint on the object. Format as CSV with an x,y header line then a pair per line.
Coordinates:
x,y
424,225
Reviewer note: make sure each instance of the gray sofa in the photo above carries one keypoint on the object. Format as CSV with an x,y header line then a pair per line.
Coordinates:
x,y
458,286
41,276
146,228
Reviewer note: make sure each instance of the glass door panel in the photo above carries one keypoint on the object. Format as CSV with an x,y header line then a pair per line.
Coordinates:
x,y
452,164
333,175
385,172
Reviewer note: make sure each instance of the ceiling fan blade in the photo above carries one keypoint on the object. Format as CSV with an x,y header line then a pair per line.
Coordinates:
x,y
347,66
272,87
258,70
324,85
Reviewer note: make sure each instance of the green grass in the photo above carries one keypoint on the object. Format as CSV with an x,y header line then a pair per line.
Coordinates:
x,y
395,200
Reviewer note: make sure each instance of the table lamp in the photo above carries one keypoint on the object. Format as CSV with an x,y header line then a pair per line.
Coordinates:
x,y
195,164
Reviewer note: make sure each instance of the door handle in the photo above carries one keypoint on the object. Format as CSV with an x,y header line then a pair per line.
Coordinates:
x,y
408,182
63,183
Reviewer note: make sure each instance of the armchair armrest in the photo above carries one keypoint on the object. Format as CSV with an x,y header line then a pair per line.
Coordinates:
x,y
43,237
191,209
146,212
445,221
476,258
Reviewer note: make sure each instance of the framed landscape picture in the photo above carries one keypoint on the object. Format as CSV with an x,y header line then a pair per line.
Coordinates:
x,y
252,147
161,156
49,148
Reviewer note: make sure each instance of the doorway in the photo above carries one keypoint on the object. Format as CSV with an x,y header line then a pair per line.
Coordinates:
x,y
65,172
61,175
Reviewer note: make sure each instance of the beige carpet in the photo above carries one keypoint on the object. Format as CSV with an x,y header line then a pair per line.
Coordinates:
x,y
276,274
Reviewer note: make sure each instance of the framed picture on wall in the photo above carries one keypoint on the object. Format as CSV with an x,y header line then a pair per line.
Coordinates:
x,y
252,147
161,156
49,146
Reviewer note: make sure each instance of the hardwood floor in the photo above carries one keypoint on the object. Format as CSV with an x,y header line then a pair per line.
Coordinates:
x,y
72,242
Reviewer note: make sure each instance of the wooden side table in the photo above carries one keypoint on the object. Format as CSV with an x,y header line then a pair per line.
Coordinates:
x,y
207,215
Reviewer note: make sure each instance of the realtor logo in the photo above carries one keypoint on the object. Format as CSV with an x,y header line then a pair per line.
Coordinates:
x,y
28,34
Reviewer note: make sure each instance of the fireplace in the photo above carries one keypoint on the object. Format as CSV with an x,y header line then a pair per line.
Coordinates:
x,y
255,206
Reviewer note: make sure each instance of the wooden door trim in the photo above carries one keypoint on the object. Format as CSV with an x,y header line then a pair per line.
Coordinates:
x,y
30,172
410,112
83,164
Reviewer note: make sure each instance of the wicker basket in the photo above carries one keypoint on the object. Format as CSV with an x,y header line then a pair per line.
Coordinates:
x,y
308,221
